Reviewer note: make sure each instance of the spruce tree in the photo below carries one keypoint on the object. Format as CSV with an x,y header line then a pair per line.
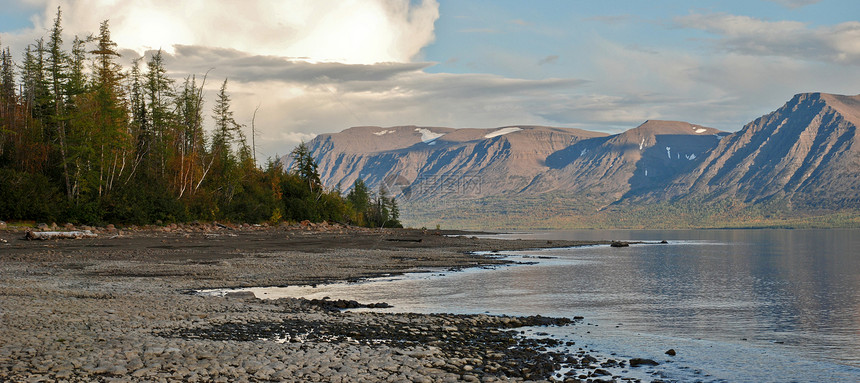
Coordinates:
x,y
7,98
159,94
110,140
305,167
58,78
359,196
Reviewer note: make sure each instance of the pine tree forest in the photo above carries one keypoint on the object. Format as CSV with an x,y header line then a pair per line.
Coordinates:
x,y
85,140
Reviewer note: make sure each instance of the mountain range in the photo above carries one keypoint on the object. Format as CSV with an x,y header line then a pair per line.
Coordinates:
x,y
802,160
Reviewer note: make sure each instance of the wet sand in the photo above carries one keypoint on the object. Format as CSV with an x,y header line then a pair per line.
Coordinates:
x,y
118,308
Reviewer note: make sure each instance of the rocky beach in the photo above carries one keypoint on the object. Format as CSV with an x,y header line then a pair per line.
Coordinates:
x,y
122,307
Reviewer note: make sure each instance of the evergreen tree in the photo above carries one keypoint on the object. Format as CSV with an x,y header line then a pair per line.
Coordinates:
x,y
35,80
58,77
191,148
383,212
7,75
110,137
8,100
76,87
139,128
359,196
159,94
227,131
32,152
305,167
76,83
226,127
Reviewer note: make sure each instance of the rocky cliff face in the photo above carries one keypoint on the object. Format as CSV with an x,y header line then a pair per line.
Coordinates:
x,y
632,162
512,160
805,153
428,162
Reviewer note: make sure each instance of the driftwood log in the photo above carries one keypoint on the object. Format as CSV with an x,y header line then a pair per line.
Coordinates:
x,y
46,235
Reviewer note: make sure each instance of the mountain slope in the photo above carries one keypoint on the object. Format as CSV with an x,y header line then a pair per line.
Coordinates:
x,y
806,152
803,157
630,162
436,160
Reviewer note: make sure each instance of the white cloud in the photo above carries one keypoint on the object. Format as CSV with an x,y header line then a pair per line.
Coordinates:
x,y
839,43
362,32
298,100
298,60
296,137
247,67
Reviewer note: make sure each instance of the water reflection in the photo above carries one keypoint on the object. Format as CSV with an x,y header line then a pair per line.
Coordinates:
x,y
719,293
797,287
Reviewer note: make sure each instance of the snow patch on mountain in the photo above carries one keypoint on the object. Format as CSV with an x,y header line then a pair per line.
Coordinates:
x,y
383,132
427,135
502,132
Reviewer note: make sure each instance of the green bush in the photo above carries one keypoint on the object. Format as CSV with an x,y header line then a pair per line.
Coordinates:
x,y
29,196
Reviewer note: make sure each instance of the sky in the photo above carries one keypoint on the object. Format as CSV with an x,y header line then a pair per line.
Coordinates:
x,y
320,66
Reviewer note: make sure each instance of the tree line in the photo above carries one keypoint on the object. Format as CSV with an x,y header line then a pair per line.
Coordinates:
x,y
83,139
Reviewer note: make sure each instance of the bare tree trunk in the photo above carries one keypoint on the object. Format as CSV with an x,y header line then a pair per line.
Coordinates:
x,y
46,235
254,135
205,172
61,132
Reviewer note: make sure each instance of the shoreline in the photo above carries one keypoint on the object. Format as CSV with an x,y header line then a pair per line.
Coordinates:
x,y
112,308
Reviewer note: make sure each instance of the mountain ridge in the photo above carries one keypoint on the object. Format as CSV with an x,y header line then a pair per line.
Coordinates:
x,y
810,140
804,155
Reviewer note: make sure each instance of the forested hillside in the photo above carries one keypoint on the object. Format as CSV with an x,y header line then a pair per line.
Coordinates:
x,y
83,139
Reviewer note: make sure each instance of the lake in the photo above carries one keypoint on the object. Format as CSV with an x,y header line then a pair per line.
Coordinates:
x,y
736,305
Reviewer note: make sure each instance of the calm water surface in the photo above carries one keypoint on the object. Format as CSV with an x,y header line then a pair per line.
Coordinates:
x,y
737,305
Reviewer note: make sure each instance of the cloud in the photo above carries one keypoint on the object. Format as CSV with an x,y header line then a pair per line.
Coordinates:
x,y
290,111
302,91
296,137
307,64
721,89
839,43
245,67
795,3
551,59
299,99
353,32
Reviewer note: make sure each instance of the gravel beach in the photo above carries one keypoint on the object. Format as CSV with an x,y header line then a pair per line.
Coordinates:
x,y
121,308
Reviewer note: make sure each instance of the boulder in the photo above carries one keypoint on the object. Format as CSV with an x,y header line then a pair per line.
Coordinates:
x,y
240,295
636,362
